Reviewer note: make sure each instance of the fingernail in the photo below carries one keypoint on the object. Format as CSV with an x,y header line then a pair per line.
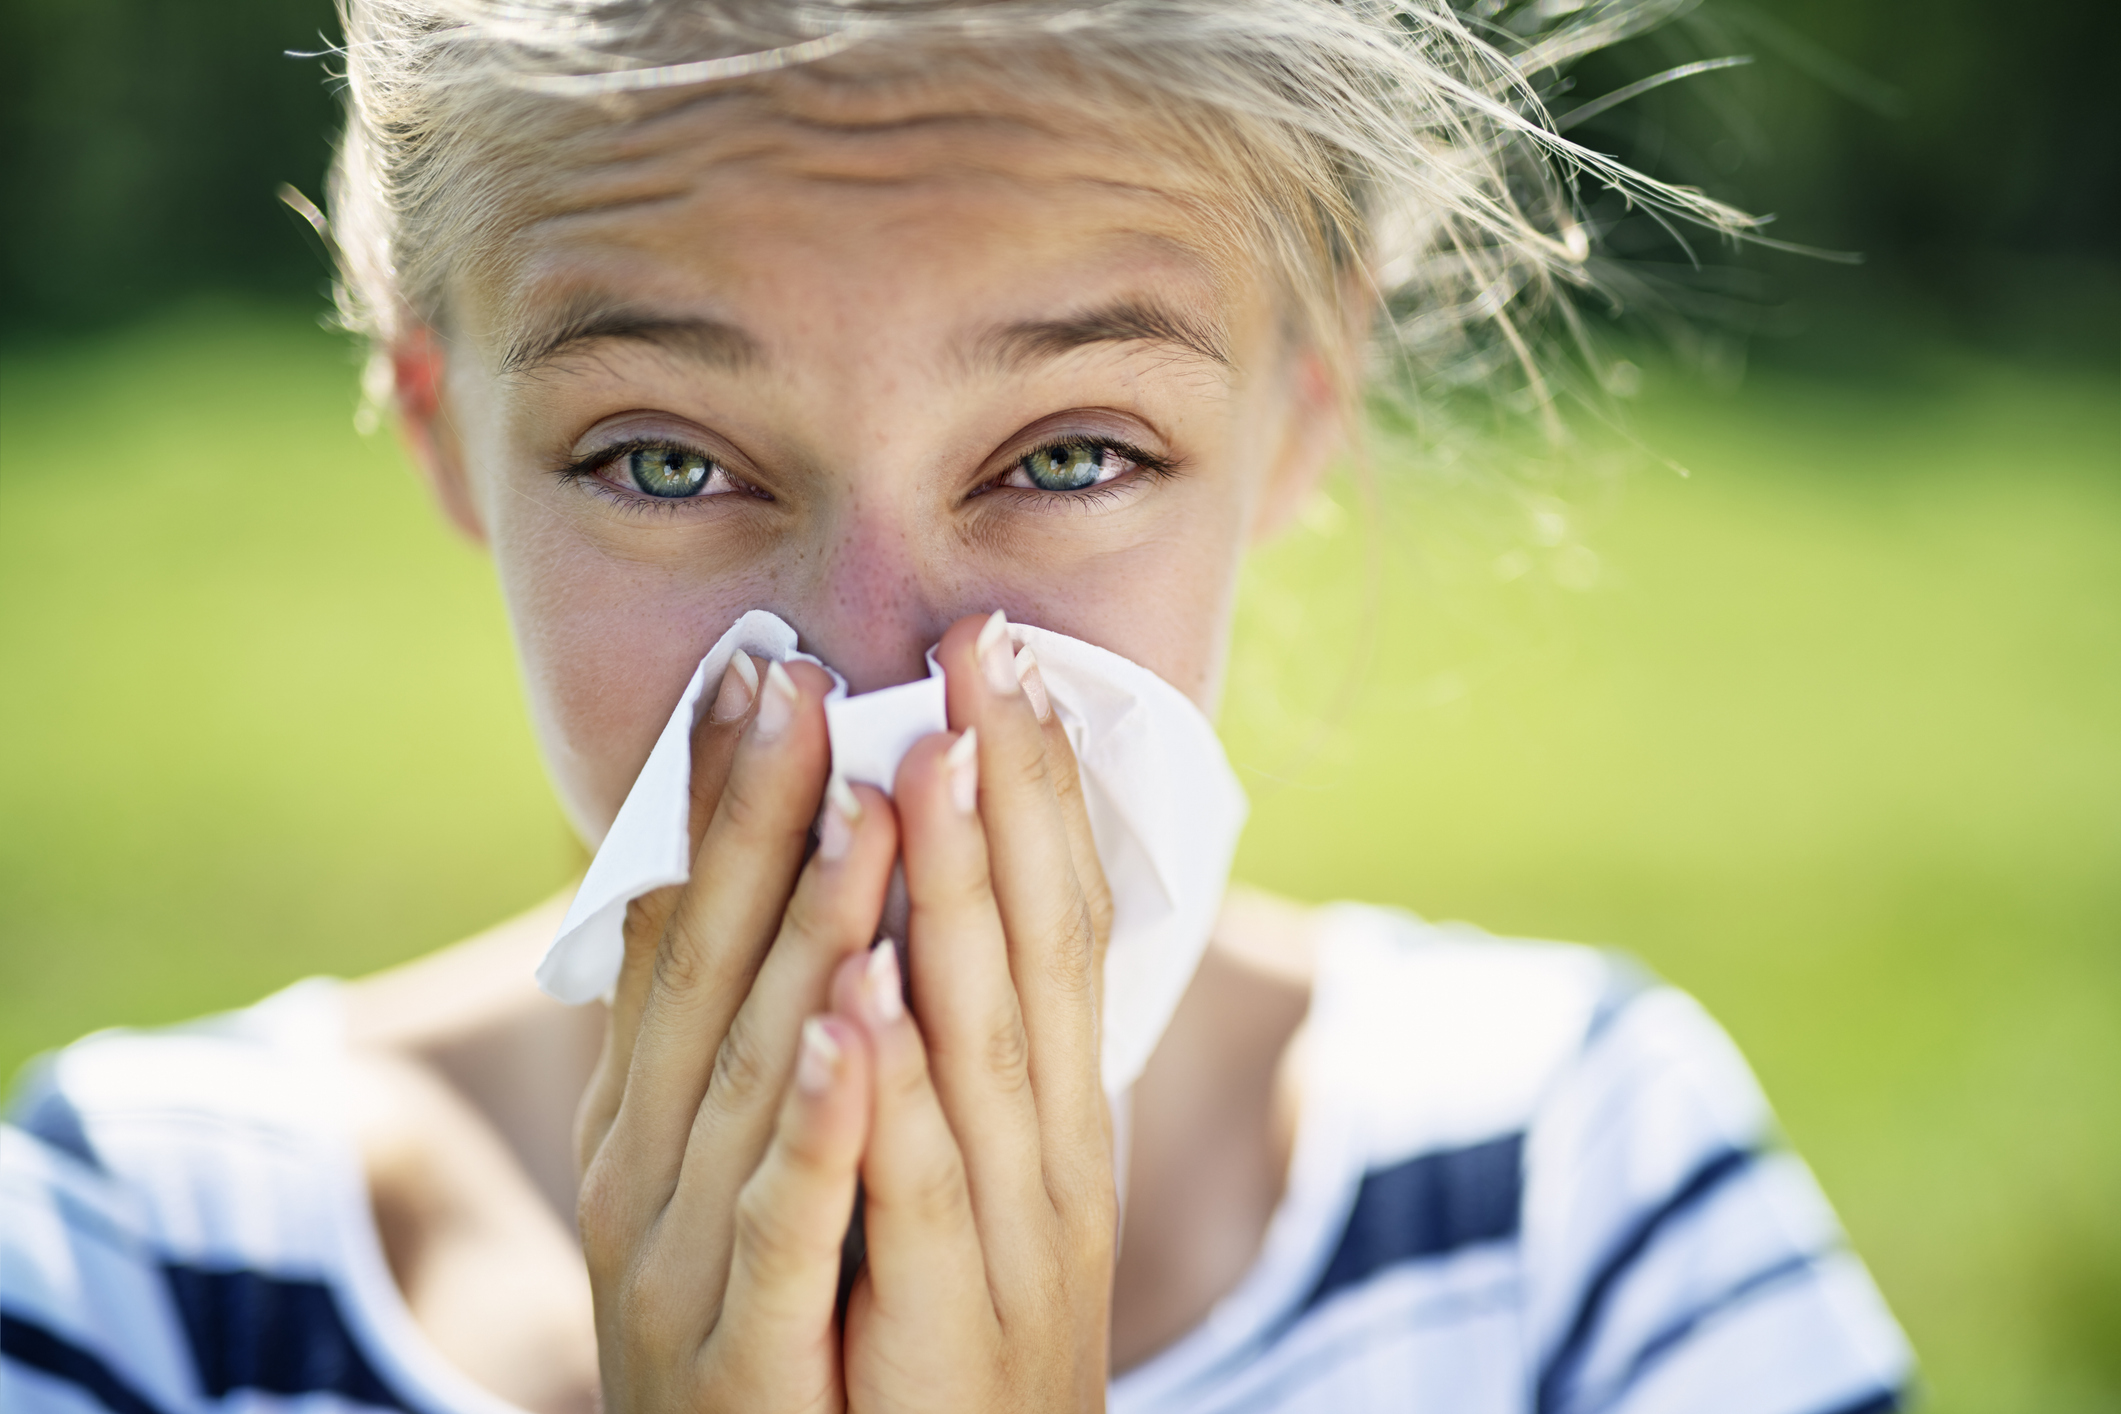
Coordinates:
x,y
884,995
777,705
740,683
835,835
992,650
819,1064
1034,684
961,761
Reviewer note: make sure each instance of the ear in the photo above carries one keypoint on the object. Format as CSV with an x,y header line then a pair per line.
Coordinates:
x,y
1314,429
419,380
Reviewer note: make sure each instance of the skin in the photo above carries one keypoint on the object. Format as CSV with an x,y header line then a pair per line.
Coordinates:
x,y
865,308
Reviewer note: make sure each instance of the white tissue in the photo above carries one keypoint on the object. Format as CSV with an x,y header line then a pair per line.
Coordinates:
x,y
1164,806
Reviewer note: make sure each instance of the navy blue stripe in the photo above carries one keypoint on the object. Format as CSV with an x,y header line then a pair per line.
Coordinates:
x,y
1884,1402
1429,1205
1560,1372
33,1347
252,1331
1659,1345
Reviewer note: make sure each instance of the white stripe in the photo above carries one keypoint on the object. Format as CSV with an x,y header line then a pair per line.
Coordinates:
x,y
1802,1348
1448,1038
1761,1217
70,1277
1439,1334
1656,1094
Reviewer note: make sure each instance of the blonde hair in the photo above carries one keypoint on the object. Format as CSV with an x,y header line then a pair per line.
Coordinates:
x,y
1395,155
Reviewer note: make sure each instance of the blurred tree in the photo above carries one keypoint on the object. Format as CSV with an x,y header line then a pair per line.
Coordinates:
x,y
143,142
1950,140
1998,128
1970,153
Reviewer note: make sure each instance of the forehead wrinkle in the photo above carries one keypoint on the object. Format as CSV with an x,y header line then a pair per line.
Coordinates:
x,y
1206,259
678,128
678,176
613,184
810,101
668,151
560,212
617,180
608,189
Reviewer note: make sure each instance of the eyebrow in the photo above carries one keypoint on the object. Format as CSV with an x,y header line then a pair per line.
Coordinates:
x,y
706,341
717,344
1124,321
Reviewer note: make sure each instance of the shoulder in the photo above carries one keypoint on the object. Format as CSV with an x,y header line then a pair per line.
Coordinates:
x,y
165,1112
164,1192
1562,1104
1438,1033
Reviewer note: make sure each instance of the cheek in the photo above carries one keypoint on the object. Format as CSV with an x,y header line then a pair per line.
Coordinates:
x,y
1164,602
606,647
1174,599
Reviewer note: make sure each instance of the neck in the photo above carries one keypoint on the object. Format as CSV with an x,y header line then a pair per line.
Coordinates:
x,y
472,1014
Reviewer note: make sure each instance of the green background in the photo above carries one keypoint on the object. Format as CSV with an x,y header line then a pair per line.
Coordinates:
x,y
1826,729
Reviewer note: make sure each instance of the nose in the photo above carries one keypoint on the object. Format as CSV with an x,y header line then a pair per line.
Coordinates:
x,y
877,595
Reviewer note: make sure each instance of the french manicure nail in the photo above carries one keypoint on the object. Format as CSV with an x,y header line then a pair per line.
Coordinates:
x,y
961,763
740,683
993,651
819,1063
885,999
1034,684
843,811
777,703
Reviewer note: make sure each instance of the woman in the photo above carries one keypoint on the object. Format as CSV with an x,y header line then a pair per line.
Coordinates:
x,y
905,322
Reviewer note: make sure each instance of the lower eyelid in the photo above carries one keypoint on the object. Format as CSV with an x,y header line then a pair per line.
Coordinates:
x,y
1083,500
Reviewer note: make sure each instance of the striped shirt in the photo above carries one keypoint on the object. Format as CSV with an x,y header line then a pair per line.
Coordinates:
x,y
1526,1178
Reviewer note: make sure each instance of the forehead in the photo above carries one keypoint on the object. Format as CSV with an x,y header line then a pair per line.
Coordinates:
x,y
807,191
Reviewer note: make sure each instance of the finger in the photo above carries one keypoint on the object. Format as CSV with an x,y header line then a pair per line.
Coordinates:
x,y
924,1250
833,915
1066,774
962,992
714,740
1044,909
714,743
791,1216
725,917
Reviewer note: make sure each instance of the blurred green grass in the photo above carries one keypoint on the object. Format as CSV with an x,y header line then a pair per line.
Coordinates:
x,y
1827,730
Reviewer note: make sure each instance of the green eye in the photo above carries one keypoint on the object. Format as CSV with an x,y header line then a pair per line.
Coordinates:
x,y
667,472
1067,467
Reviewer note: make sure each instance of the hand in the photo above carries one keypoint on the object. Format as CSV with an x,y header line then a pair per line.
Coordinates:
x,y
990,1211
712,1232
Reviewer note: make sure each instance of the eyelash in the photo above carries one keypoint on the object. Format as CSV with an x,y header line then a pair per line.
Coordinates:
x,y
1147,464
585,473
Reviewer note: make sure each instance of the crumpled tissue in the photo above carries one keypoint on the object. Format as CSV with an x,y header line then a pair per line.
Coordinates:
x,y
1164,806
